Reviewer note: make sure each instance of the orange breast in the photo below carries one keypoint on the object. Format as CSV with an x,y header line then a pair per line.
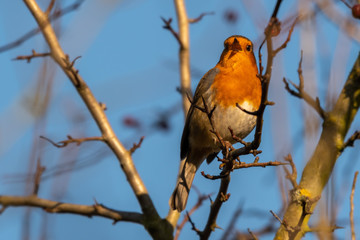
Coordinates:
x,y
237,82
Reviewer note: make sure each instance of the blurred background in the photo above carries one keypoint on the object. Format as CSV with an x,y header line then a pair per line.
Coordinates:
x,y
130,62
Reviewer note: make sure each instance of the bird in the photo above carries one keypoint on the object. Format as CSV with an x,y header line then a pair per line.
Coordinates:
x,y
232,92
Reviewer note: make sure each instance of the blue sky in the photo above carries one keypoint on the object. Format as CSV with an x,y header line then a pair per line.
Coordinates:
x,y
130,62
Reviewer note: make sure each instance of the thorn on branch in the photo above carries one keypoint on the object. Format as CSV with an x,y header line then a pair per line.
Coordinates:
x,y
73,61
103,106
136,145
75,72
78,141
195,20
169,27
33,55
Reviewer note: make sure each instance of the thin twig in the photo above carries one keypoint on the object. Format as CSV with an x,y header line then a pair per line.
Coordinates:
x,y
201,198
231,225
193,227
252,234
136,145
293,175
258,164
60,207
351,140
213,177
276,51
39,171
78,141
346,4
301,93
57,14
168,26
352,225
50,7
33,55
195,20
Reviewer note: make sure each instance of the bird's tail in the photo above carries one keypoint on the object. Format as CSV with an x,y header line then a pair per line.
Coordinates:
x,y
180,195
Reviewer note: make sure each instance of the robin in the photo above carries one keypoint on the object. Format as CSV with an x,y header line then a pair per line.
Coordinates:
x,y
232,81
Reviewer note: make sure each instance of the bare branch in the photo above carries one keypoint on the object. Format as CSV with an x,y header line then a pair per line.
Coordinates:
x,y
231,225
351,140
50,7
252,234
193,227
293,175
346,4
169,27
78,141
276,51
184,53
258,164
39,171
301,93
98,114
33,55
201,198
352,225
195,20
59,207
136,145
213,177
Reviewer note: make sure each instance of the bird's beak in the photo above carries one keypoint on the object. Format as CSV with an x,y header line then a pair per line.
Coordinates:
x,y
235,46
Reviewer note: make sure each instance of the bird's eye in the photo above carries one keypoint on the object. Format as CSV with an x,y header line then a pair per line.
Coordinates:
x,y
248,47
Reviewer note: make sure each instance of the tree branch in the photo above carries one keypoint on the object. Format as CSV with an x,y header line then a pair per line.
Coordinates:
x,y
184,52
78,141
59,207
301,93
33,55
320,166
152,221
352,225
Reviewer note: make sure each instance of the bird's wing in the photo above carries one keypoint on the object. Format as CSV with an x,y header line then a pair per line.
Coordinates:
x,y
202,88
